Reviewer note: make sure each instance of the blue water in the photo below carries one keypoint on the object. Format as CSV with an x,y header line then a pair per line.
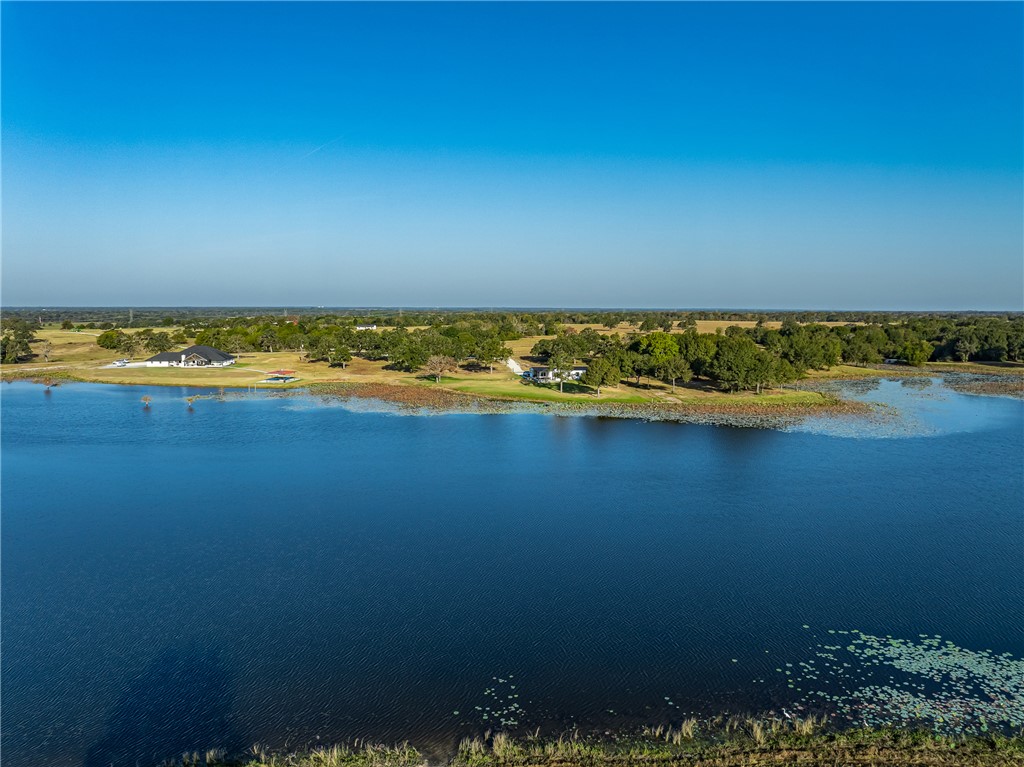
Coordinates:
x,y
271,569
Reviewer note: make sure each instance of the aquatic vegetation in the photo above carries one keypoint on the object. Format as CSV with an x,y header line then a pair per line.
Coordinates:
x,y
501,706
874,681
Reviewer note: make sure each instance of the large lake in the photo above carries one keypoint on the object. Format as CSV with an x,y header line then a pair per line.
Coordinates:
x,y
280,570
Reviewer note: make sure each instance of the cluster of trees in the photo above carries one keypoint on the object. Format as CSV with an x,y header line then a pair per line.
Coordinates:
x,y
16,338
915,341
318,339
131,344
760,357
733,362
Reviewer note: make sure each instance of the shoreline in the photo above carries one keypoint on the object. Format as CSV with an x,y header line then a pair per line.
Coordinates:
x,y
719,742
716,413
718,409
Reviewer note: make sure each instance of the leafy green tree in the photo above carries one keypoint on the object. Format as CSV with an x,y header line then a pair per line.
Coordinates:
x,y
601,372
916,353
15,345
966,346
268,340
340,355
409,354
159,342
560,363
635,364
659,347
491,350
675,369
67,325
130,344
736,363
698,349
110,339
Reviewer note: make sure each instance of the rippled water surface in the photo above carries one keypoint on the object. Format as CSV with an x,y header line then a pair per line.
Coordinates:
x,y
273,570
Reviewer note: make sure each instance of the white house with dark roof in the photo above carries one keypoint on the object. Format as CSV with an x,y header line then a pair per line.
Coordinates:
x,y
192,357
546,375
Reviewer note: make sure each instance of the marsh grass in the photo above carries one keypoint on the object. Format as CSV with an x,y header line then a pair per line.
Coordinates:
x,y
717,742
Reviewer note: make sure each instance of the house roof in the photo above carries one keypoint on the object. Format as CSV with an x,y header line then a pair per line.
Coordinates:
x,y
207,352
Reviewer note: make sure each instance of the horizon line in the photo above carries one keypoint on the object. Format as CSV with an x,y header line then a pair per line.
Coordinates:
x,y
428,308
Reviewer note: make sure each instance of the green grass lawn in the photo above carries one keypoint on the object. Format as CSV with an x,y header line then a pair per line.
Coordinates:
x,y
513,387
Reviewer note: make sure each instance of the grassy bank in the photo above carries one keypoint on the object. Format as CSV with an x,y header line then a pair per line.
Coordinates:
x,y
737,741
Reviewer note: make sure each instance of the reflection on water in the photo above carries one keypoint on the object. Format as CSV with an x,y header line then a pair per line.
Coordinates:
x,y
266,569
179,704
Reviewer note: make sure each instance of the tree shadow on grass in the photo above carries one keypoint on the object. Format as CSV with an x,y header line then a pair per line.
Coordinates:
x,y
179,704
569,387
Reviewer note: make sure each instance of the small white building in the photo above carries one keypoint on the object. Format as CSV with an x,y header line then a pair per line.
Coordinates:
x,y
546,375
192,357
366,327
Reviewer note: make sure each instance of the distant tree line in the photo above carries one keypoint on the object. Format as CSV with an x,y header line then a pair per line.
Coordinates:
x,y
645,320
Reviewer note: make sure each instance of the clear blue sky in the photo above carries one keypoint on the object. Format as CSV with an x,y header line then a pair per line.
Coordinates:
x,y
861,155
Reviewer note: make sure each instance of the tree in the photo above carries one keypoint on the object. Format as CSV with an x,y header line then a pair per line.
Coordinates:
x,y
698,349
15,343
966,346
146,400
660,347
634,364
916,353
67,325
47,349
339,355
600,373
734,364
560,363
268,339
130,344
111,339
438,364
490,350
675,369
159,342
409,354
